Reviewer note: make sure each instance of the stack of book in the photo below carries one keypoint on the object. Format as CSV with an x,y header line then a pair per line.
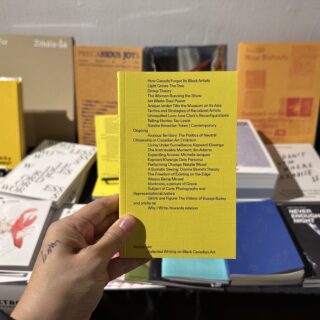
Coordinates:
x,y
55,171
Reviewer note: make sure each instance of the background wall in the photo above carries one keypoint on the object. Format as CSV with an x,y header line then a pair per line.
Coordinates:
x,y
165,22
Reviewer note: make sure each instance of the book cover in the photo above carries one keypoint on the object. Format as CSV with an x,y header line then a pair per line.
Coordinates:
x,y
45,64
185,58
303,221
279,85
12,136
264,246
107,142
22,223
49,172
96,83
299,172
214,271
178,163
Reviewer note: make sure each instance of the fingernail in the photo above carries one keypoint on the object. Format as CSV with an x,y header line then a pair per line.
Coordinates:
x,y
127,223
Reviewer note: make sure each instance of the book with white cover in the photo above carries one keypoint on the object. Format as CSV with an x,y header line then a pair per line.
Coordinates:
x,y
22,225
49,172
299,168
255,167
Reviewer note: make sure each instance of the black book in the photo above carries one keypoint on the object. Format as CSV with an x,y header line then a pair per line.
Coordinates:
x,y
303,221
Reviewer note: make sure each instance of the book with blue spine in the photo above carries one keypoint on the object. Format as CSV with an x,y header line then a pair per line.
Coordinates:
x,y
266,254
194,270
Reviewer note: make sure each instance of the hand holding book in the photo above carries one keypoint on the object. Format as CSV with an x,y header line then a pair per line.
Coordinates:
x,y
75,263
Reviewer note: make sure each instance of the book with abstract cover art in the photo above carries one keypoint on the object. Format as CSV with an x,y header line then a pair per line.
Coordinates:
x,y
185,58
279,85
22,224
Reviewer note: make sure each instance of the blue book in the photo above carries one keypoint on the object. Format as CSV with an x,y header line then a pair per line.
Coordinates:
x,y
206,271
266,254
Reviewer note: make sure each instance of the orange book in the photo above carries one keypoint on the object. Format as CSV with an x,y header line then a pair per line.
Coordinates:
x,y
279,89
96,83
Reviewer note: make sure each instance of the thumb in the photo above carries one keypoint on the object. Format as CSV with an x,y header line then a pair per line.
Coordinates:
x,y
115,236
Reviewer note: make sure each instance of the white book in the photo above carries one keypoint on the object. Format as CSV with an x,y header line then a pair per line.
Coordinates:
x,y
256,171
299,168
49,172
252,155
22,226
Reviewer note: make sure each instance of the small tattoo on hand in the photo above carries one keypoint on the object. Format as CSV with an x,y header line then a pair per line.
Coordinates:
x,y
48,251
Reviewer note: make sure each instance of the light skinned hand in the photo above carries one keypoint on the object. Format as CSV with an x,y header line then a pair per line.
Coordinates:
x,y
75,263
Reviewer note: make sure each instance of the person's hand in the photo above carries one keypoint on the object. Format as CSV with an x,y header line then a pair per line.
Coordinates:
x,y
76,262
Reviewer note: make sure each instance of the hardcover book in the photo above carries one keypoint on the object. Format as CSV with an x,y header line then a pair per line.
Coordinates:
x,y
299,172
96,83
266,253
178,163
303,221
279,85
45,64
12,136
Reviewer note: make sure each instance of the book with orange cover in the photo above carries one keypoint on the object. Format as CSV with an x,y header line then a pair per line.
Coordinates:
x,y
96,83
279,89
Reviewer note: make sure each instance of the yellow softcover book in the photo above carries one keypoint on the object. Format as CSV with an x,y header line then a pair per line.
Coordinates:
x,y
178,163
107,141
12,137
104,188
279,89
96,83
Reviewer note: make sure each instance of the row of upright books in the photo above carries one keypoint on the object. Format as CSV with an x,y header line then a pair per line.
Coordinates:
x,y
278,86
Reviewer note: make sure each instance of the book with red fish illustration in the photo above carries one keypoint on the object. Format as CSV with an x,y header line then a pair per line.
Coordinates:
x,y
22,224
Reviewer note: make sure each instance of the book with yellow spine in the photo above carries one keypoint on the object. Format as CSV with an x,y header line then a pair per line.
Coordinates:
x,y
12,137
178,163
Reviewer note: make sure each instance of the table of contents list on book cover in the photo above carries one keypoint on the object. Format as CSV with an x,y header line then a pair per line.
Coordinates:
x,y
178,163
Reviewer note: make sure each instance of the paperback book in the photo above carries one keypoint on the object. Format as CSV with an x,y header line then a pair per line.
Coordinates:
x,y
303,221
23,223
256,172
12,136
299,172
279,85
266,253
45,64
49,173
178,163
96,83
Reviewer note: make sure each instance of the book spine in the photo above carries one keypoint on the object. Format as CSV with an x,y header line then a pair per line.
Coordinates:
x,y
122,147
